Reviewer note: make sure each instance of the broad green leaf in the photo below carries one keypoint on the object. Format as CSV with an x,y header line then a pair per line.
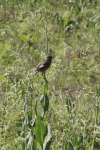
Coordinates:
x,y
47,142
34,145
40,131
45,102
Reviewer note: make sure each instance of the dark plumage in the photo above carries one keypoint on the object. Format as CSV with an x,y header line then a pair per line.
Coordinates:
x,y
43,66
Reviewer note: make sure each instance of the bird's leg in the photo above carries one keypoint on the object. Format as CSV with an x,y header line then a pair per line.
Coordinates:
x,y
46,82
43,73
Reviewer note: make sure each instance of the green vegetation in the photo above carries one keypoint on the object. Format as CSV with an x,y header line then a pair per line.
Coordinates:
x,y
62,112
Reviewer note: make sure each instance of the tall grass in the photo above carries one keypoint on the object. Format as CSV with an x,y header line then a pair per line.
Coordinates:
x,y
62,111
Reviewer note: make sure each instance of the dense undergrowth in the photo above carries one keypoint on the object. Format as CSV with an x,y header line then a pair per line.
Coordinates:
x,y
62,112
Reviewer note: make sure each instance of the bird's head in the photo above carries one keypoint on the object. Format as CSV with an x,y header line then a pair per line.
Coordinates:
x,y
49,57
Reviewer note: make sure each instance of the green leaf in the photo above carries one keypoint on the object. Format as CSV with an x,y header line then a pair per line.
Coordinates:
x,y
34,146
45,87
30,141
30,137
34,122
26,121
96,144
98,91
65,146
25,38
46,144
45,102
23,92
69,103
36,112
40,131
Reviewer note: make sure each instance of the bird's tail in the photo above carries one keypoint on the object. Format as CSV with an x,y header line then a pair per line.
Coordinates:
x,y
34,74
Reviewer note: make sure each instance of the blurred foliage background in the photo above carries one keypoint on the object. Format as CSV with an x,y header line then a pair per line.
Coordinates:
x,y
29,29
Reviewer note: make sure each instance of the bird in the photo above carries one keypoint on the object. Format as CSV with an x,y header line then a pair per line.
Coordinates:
x,y
43,66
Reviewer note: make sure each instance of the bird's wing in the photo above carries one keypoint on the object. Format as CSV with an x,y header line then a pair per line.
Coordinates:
x,y
41,64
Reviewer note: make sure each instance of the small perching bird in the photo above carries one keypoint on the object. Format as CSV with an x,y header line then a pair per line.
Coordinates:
x,y
43,66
